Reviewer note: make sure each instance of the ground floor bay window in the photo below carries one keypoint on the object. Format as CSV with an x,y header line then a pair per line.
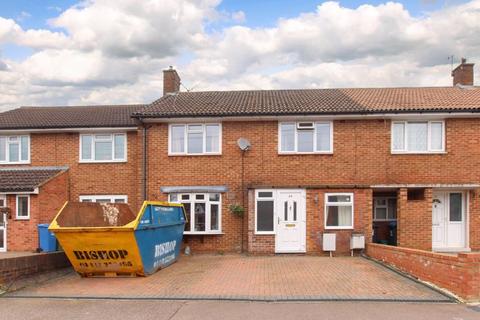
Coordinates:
x,y
203,211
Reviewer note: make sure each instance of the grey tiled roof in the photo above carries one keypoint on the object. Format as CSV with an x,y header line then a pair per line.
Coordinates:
x,y
26,179
313,101
68,117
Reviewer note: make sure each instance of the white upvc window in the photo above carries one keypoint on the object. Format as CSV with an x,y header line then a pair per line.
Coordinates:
x,y
339,211
385,208
418,136
103,147
203,210
23,207
105,198
305,137
14,149
195,139
3,201
264,212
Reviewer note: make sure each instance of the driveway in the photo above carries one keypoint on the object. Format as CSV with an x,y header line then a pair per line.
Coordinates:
x,y
237,277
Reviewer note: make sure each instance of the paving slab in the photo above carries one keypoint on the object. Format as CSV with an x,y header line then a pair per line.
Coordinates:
x,y
239,277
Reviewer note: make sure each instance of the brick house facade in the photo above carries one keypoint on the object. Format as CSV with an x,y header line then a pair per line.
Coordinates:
x,y
357,183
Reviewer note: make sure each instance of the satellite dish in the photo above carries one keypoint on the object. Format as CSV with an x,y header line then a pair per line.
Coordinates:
x,y
243,144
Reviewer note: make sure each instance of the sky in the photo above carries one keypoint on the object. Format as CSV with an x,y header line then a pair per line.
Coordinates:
x,y
70,52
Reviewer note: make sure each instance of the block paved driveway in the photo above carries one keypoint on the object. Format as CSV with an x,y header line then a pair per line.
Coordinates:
x,y
272,278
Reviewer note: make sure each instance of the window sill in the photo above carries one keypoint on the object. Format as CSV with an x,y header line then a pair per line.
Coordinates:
x,y
338,228
108,161
200,233
14,163
193,154
384,220
415,153
305,153
22,219
264,233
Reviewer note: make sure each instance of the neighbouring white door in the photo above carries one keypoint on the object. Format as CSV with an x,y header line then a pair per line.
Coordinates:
x,y
448,220
3,232
291,221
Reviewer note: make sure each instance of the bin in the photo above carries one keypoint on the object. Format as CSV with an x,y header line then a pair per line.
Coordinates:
x,y
109,240
46,239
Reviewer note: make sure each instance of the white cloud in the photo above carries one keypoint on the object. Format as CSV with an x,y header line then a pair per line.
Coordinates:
x,y
113,51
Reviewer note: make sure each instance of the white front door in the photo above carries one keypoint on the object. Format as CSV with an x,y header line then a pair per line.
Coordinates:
x,y
448,220
291,221
3,232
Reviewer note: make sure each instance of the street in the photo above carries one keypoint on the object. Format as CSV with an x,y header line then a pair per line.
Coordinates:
x,y
37,308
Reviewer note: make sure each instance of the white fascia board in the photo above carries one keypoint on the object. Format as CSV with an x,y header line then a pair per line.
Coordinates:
x,y
418,115
53,130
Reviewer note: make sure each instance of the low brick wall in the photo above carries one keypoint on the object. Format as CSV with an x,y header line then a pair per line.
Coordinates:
x,y
459,274
14,267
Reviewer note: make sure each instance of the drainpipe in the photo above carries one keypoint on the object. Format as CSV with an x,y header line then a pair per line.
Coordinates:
x,y
144,164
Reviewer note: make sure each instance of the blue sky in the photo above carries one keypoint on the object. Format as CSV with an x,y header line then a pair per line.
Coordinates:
x,y
113,51
265,13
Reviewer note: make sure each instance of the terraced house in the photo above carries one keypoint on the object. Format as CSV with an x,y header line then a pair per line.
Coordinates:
x,y
399,166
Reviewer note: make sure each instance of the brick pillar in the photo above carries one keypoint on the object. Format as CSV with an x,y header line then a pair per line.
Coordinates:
x,y
401,217
414,221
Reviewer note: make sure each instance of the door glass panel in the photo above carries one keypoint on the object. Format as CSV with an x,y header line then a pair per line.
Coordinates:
x,y
294,211
2,244
265,216
285,210
199,216
381,213
455,207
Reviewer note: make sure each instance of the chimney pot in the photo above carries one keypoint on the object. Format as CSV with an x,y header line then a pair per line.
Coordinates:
x,y
171,81
463,74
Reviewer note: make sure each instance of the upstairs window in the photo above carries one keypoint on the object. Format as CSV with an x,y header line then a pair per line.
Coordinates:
x,y
306,137
14,149
418,136
103,147
195,139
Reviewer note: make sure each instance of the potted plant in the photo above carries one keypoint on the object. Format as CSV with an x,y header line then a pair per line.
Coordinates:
x,y
237,210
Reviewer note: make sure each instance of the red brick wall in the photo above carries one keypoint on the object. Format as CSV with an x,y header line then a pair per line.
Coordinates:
x,y
259,244
361,156
22,235
62,149
414,221
460,274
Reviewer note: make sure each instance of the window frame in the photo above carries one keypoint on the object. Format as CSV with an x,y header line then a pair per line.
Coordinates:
x,y
208,214
273,199
92,147
295,123
329,204
204,139
429,137
3,197
7,149
17,217
383,206
112,198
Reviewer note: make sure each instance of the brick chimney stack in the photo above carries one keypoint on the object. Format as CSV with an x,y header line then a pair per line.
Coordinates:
x,y
463,74
171,81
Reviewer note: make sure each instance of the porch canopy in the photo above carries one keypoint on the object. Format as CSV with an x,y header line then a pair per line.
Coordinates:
x,y
27,179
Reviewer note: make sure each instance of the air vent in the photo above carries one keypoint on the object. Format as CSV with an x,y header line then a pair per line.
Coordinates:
x,y
305,126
